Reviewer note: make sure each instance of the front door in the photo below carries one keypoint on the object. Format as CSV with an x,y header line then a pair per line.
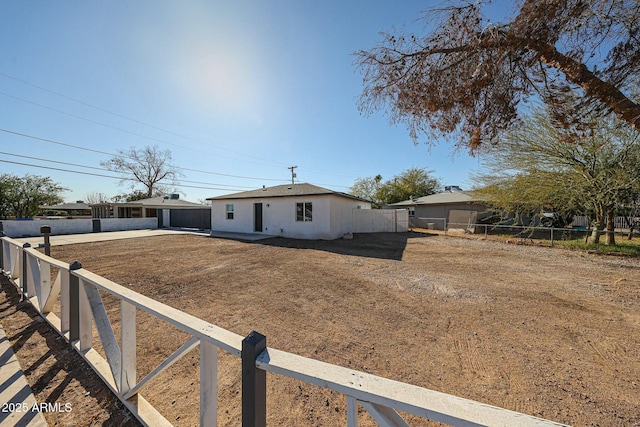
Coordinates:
x,y
257,217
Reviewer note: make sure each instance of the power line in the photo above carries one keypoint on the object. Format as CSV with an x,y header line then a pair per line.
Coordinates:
x,y
140,123
130,119
121,155
104,176
107,170
123,130
55,142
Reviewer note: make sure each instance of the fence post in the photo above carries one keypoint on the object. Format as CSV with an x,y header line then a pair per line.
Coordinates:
x,y
209,384
352,412
46,232
1,250
254,382
25,271
128,363
74,302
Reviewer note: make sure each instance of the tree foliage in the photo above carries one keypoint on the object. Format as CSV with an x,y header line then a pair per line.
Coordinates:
x,y
413,182
468,75
368,188
130,197
23,197
544,166
148,166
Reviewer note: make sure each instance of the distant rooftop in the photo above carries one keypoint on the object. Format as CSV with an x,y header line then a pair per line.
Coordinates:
x,y
79,205
440,198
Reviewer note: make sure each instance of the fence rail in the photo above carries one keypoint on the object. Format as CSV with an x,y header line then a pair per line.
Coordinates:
x,y
76,292
621,224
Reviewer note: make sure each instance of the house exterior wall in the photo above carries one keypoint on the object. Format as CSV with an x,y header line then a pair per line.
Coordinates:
x,y
331,216
436,214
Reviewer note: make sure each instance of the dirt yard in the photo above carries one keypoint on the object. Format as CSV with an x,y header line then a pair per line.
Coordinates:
x,y
544,331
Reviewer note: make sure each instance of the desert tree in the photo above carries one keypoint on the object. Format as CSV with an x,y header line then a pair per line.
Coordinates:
x,y
543,165
23,197
367,188
412,183
467,77
148,166
134,195
95,197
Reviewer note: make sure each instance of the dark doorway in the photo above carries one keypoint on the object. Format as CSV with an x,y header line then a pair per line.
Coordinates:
x,y
257,217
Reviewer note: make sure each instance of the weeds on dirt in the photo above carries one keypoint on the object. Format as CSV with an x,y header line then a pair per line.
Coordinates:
x,y
630,248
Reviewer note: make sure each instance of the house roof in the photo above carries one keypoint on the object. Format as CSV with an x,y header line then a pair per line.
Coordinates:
x,y
287,190
441,199
156,202
69,206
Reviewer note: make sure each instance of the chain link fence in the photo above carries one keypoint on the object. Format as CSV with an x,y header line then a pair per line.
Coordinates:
x,y
530,233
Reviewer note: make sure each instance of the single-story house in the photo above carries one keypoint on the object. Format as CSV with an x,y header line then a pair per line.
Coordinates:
x,y
79,208
444,210
170,210
302,211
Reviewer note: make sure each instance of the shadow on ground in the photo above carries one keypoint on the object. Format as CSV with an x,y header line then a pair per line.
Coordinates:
x,y
371,245
56,373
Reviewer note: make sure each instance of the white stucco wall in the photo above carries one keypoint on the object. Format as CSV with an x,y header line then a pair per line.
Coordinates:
x,y
331,216
31,228
122,224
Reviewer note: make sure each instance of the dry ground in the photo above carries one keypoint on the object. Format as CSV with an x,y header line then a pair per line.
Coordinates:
x,y
55,373
547,332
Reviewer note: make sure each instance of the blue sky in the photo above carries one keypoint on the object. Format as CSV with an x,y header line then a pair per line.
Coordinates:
x,y
240,90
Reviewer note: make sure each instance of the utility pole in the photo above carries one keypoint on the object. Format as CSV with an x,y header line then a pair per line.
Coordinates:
x,y
293,174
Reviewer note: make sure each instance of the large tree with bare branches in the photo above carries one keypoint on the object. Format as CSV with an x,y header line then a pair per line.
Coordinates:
x,y
468,76
148,166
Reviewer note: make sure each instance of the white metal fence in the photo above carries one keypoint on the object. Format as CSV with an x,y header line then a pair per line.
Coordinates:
x,y
76,292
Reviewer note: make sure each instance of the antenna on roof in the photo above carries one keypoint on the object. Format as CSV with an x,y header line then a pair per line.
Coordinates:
x,y
293,174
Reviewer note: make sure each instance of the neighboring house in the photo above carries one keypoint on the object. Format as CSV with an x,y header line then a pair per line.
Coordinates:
x,y
79,208
437,210
169,209
302,211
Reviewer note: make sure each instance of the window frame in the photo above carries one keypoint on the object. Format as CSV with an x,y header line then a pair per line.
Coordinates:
x,y
230,213
304,211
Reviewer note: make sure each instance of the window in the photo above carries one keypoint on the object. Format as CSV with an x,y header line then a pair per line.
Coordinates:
x,y
304,211
229,211
412,211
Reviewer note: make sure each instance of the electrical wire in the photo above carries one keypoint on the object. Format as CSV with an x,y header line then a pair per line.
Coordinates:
x,y
122,155
243,159
105,176
239,187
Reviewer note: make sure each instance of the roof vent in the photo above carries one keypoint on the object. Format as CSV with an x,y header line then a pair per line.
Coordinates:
x,y
79,201
264,188
174,196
